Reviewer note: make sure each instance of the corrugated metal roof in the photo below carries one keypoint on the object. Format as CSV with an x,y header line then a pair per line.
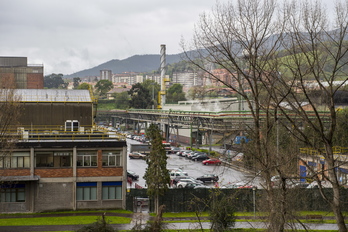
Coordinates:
x,y
51,95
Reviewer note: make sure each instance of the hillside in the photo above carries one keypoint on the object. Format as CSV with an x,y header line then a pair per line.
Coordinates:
x,y
136,63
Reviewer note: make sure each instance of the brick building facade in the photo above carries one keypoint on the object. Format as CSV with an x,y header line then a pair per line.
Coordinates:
x,y
15,73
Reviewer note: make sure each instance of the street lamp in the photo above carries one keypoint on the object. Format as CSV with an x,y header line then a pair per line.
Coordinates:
x,y
254,201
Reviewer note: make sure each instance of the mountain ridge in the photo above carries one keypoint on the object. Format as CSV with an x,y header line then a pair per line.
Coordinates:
x,y
135,63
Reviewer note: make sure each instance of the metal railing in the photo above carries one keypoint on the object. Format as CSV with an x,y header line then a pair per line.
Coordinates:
x,y
50,132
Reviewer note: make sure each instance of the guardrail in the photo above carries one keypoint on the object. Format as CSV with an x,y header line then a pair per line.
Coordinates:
x,y
58,133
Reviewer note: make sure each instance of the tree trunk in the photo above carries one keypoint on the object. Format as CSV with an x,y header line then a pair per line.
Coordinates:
x,y
335,202
156,204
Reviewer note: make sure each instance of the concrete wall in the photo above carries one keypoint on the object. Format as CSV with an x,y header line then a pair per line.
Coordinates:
x,y
54,196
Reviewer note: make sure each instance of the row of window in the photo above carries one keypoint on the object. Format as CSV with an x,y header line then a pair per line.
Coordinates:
x,y
59,159
86,191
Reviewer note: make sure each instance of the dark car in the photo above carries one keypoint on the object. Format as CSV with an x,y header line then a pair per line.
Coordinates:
x,y
132,175
174,150
200,157
208,177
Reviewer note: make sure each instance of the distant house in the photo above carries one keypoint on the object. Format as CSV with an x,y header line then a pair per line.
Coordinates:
x,y
109,95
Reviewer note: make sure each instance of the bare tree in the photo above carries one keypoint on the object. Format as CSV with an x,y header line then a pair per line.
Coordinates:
x,y
270,54
317,52
9,115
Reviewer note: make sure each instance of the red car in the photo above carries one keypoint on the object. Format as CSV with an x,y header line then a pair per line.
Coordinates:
x,y
211,161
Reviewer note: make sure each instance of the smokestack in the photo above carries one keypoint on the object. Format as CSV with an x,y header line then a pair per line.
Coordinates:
x,y
163,73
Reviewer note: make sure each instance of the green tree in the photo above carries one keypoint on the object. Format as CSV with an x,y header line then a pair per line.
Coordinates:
x,y
103,86
84,86
175,94
55,81
153,87
156,174
76,81
140,97
121,100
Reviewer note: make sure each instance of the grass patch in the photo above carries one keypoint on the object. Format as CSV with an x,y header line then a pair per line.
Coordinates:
x,y
122,211
184,214
205,214
67,220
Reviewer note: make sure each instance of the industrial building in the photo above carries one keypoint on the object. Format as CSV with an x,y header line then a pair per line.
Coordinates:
x,y
59,159
16,73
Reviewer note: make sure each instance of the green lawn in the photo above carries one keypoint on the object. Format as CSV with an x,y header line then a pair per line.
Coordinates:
x,y
66,220
122,211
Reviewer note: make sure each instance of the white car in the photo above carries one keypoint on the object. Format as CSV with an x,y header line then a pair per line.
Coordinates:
x,y
173,175
182,183
324,184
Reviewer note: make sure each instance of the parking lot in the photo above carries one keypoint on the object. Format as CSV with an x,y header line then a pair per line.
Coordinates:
x,y
193,168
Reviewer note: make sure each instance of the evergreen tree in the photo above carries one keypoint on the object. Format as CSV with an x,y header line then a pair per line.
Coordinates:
x,y
140,97
156,174
175,94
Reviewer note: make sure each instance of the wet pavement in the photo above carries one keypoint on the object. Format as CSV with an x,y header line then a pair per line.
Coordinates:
x,y
227,173
141,219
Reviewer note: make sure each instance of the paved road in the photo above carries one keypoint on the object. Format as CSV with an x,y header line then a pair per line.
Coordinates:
x,y
173,226
194,169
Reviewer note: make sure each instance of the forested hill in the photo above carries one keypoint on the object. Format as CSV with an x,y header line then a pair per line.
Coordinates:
x,y
136,63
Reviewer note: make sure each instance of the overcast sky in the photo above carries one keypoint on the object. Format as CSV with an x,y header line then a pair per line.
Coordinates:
x,y
68,36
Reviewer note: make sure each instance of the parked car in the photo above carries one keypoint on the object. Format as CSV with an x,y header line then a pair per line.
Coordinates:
x,y
182,183
177,170
190,154
177,179
214,161
300,185
324,184
132,175
136,155
182,153
174,150
175,174
208,177
238,185
200,157
195,186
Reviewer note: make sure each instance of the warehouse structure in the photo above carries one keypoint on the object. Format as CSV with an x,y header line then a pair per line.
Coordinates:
x,y
60,160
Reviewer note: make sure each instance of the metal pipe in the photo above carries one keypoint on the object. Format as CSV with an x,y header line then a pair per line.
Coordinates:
x,y
163,73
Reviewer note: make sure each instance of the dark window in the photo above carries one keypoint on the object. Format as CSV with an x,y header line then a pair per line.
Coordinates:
x,y
12,193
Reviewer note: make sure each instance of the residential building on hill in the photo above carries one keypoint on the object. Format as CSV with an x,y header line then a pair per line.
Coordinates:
x,y
106,75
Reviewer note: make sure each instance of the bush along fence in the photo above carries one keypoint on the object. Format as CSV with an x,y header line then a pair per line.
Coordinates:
x,y
185,200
